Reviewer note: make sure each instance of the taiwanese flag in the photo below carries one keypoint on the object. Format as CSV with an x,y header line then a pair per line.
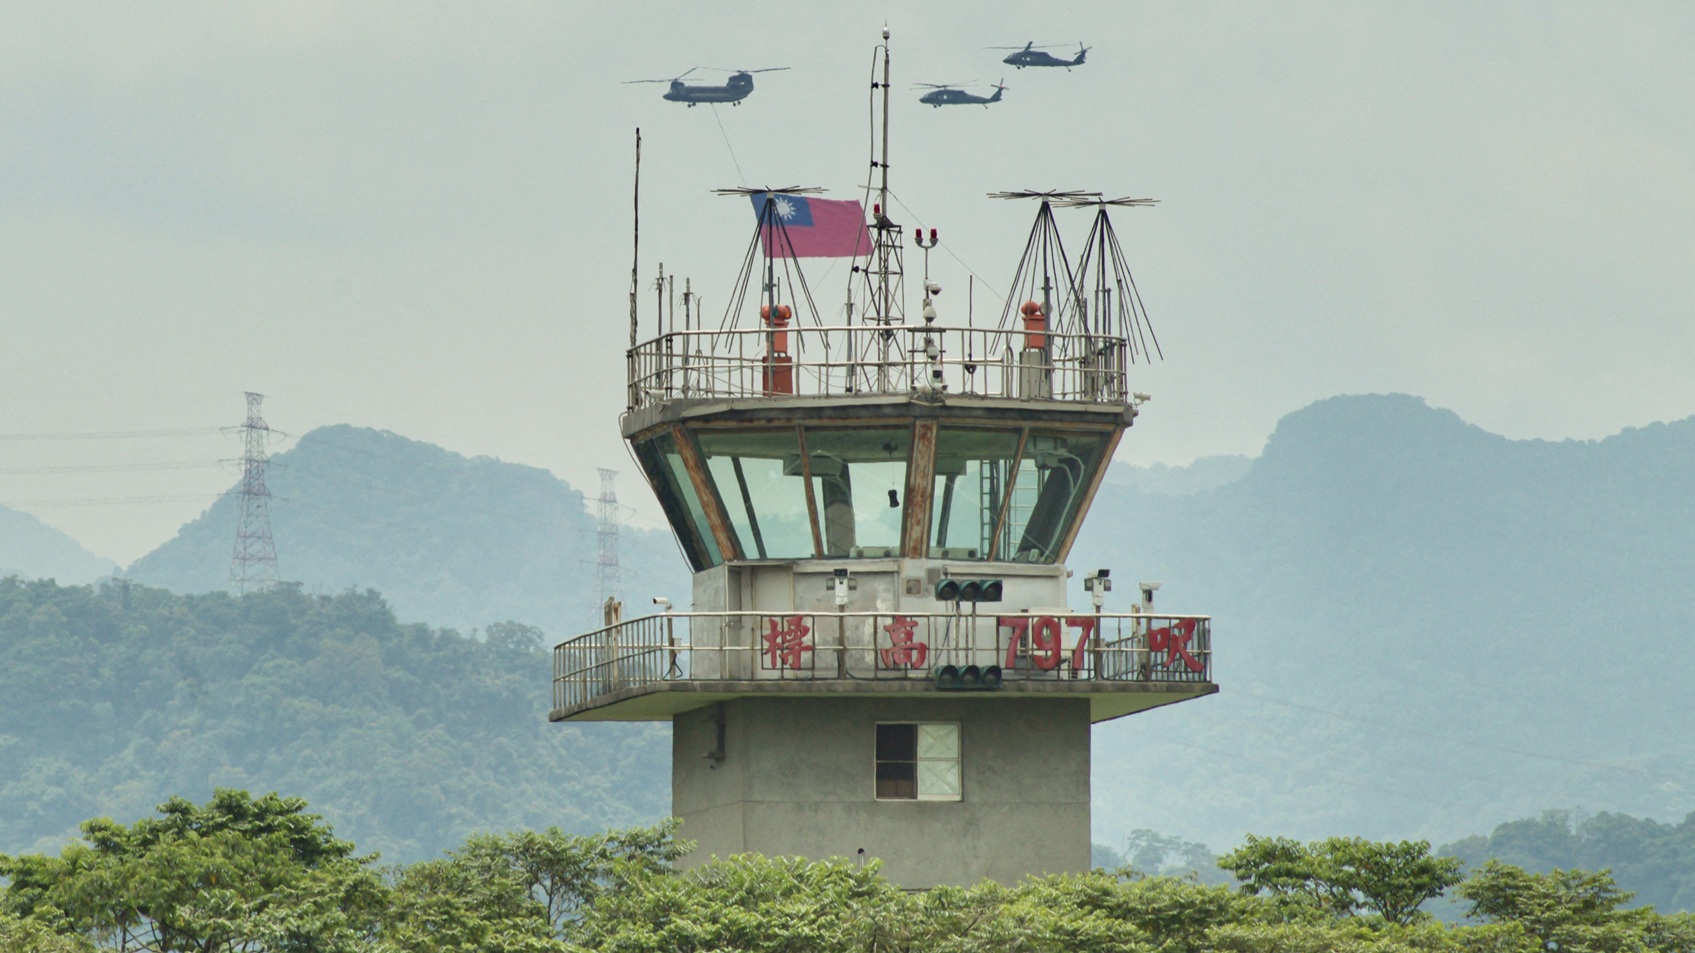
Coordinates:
x,y
804,227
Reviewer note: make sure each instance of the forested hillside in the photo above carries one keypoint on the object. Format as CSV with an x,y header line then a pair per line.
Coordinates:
x,y
34,550
1420,628
408,738
1656,861
448,540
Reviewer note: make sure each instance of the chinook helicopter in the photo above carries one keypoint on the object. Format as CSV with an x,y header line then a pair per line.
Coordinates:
x,y
1032,55
734,90
949,94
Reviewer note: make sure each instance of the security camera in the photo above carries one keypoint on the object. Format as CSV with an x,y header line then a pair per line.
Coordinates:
x,y
1140,397
663,603
1097,584
930,287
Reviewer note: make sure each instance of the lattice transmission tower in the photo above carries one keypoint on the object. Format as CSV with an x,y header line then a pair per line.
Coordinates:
x,y
606,555
253,565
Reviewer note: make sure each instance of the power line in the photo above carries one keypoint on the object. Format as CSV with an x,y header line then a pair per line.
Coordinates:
x,y
112,468
112,500
112,434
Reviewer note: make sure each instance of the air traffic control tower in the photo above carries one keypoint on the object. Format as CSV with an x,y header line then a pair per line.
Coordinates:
x,y
882,658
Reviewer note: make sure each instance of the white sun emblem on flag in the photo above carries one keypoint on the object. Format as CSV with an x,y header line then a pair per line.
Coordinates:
x,y
785,208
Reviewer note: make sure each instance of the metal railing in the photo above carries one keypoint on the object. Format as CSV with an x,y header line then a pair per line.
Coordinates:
x,y
870,359
879,646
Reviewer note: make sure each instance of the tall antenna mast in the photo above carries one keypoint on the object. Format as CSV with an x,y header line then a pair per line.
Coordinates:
x,y
884,309
883,279
253,565
606,572
636,238
883,187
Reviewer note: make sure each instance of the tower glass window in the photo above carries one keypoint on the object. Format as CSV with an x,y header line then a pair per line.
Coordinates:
x,y
918,761
1054,475
993,500
670,478
758,476
973,470
859,477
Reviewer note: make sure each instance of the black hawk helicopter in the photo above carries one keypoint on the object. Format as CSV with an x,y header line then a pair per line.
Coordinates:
x,y
1032,55
949,94
734,90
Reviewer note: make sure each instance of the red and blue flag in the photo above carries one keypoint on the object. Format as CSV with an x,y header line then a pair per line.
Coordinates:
x,y
804,227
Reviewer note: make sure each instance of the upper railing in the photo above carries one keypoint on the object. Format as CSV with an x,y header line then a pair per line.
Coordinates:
x,y
870,359
881,646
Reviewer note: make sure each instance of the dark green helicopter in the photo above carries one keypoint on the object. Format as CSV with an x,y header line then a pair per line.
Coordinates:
x,y
949,94
1032,55
734,90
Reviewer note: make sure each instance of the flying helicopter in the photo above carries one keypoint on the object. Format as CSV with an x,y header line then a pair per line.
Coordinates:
x,y
1032,55
949,94
734,90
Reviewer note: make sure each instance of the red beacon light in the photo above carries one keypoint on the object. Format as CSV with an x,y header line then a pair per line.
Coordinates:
x,y
1035,325
778,373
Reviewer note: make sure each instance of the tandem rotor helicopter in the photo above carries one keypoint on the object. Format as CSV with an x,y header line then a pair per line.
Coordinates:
x,y
949,94
734,90
1032,55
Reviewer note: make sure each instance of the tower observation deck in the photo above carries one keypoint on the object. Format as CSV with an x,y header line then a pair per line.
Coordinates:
x,y
881,658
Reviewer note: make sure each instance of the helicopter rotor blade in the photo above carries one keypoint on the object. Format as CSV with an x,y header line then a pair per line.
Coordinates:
x,y
942,85
673,79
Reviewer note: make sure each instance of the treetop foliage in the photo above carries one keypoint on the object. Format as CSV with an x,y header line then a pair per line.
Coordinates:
x,y
1343,874
244,874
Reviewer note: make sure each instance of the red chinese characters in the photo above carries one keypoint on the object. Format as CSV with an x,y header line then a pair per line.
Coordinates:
x,y
786,645
904,649
1173,640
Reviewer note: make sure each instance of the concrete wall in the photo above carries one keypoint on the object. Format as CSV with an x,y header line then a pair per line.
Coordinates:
x,y
797,778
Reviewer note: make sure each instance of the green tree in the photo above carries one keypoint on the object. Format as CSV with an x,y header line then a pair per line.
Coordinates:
x,y
19,935
237,873
1572,911
566,872
449,906
1154,853
1344,874
749,903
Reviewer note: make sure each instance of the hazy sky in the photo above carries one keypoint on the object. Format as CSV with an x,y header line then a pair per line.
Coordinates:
x,y
415,216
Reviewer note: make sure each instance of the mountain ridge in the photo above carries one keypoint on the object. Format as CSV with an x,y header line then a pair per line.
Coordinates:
x,y
1394,586
31,548
450,540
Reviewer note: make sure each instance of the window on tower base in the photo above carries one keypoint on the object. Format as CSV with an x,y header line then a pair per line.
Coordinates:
x,y
918,761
